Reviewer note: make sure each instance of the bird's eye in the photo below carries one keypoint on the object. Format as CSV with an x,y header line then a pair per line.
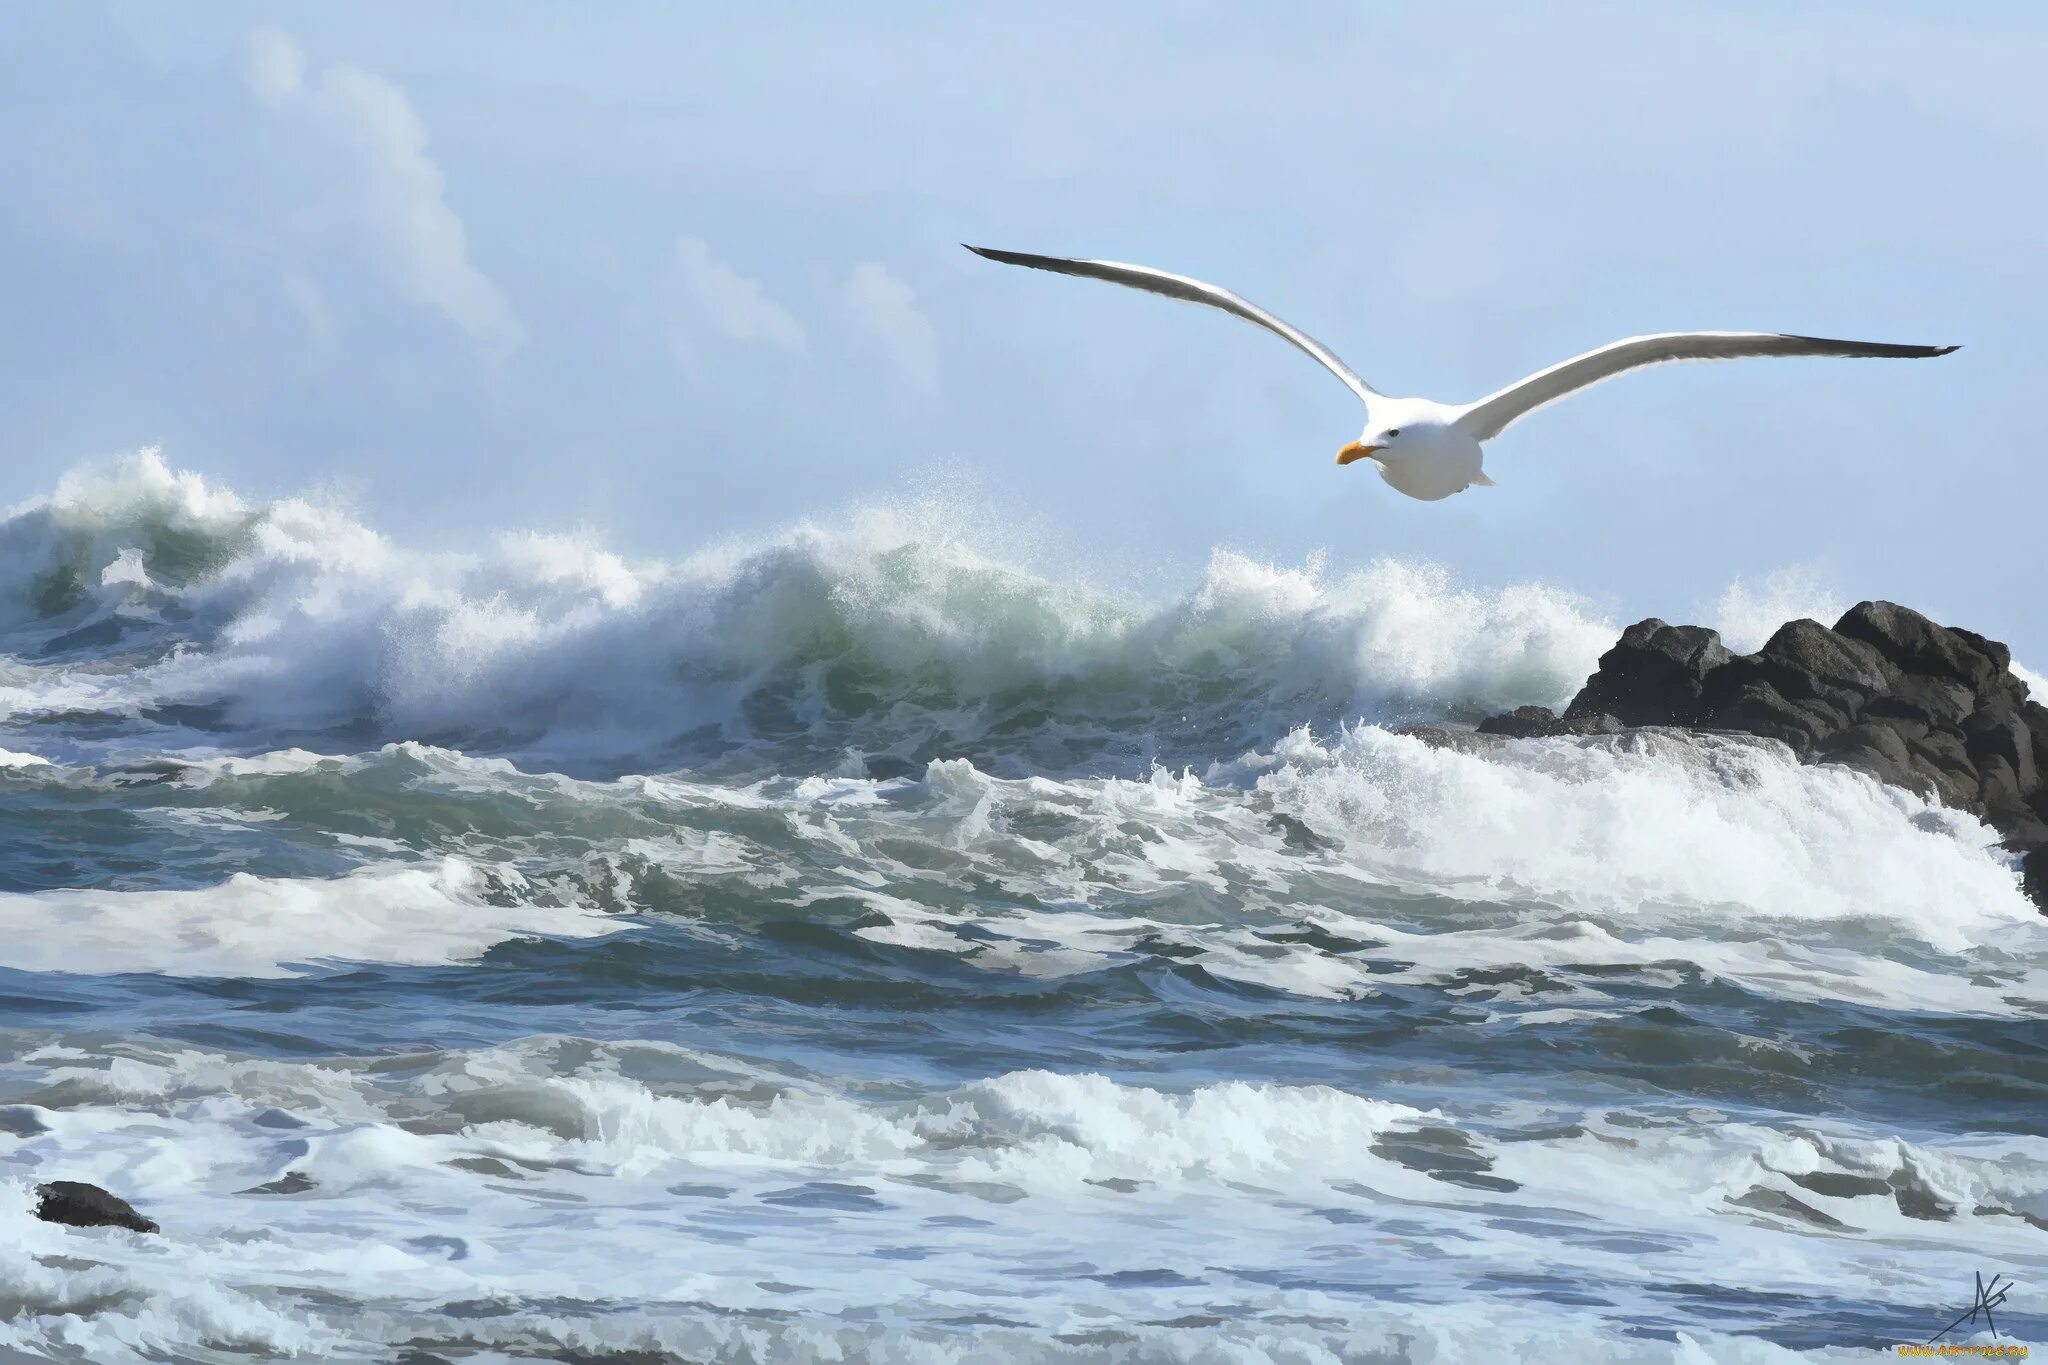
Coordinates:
x,y
1393,431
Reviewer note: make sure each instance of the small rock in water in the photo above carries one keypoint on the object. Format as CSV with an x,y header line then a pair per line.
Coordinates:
x,y
291,1182
80,1205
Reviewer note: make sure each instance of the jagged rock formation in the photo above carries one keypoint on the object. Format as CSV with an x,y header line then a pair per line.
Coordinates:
x,y
1919,705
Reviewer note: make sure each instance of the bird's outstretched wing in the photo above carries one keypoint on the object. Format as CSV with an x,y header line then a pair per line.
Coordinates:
x,y
1491,415
1192,291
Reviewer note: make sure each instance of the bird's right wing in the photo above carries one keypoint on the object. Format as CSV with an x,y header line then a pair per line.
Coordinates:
x,y
1190,291
1491,415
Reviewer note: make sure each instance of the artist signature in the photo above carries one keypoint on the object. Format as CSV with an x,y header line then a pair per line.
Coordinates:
x,y
1989,1296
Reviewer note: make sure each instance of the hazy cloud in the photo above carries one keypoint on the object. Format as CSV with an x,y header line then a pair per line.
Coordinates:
x,y
886,309
703,297
276,68
391,191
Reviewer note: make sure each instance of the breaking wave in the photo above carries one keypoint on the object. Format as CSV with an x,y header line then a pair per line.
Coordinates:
x,y
880,635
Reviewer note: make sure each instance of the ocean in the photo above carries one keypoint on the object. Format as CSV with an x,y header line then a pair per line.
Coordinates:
x,y
853,944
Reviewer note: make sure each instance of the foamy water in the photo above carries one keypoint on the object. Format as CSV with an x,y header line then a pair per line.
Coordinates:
x,y
851,944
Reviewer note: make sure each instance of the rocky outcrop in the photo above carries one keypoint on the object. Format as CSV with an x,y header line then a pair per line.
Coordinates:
x,y
80,1205
1885,690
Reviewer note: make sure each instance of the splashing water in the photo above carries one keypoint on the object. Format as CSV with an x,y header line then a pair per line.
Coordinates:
x,y
849,944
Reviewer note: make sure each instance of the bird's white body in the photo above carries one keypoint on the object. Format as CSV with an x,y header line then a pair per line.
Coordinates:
x,y
1430,450
1421,450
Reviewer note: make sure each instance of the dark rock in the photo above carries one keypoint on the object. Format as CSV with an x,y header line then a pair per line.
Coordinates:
x,y
2023,829
1757,708
1654,675
87,1206
2000,731
2036,717
1931,701
1940,757
1807,660
1914,644
1998,788
1943,749
1879,750
1590,723
2034,874
1524,722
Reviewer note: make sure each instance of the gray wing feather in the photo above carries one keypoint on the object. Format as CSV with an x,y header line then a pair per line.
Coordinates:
x,y
1190,291
1491,415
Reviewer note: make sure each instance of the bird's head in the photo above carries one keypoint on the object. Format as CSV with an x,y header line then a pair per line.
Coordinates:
x,y
1376,445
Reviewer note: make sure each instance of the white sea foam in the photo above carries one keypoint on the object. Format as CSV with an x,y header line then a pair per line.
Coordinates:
x,y
1795,881
562,1174
252,926
1651,821
1802,882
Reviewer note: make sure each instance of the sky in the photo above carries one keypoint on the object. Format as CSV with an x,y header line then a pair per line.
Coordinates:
x,y
667,273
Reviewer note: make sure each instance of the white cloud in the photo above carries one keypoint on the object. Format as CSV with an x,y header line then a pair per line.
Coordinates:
x,y
277,70
389,189
702,295
886,308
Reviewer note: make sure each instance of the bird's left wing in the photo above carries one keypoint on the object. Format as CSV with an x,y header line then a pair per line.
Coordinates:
x,y
1491,415
1190,291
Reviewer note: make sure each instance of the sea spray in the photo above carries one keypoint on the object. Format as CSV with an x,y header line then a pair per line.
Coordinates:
x,y
853,943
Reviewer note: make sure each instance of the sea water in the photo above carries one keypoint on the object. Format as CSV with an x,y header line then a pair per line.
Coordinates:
x,y
851,945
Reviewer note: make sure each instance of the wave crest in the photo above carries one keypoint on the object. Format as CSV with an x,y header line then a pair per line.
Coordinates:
x,y
880,635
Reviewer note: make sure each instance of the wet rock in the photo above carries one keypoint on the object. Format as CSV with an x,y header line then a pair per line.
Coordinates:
x,y
2000,733
1654,675
1875,748
1915,645
1929,701
80,1205
1524,722
1886,691
2036,717
1757,708
1806,660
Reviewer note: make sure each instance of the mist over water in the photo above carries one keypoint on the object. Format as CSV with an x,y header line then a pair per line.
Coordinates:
x,y
852,944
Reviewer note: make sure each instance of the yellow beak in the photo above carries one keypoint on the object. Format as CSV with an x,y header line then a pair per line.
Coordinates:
x,y
1357,450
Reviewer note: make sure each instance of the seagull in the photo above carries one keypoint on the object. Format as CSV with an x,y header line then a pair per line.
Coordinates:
x,y
1430,450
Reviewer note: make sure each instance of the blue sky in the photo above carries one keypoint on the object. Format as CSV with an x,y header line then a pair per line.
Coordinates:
x,y
674,271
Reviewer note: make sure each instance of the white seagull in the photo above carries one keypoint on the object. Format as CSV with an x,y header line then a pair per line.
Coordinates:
x,y
1428,449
